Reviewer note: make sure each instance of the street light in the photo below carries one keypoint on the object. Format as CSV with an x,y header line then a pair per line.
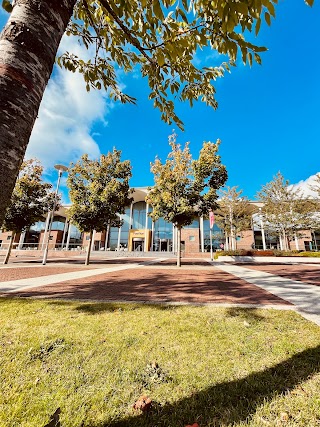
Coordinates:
x,y
262,231
60,169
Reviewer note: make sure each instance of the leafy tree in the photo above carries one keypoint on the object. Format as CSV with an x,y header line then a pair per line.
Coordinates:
x,y
99,191
233,214
160,37
185,188
30,201
285,210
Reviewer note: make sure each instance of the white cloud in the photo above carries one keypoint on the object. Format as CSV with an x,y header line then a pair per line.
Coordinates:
x,y
304,186
62,132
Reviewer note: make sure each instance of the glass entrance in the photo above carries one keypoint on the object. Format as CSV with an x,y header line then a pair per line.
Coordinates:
x,y
138,245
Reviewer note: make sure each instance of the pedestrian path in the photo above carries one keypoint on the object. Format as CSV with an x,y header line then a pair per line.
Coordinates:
x,y
305,297
33,282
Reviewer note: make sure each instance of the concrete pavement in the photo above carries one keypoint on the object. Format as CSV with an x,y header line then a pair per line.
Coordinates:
x,y
305,297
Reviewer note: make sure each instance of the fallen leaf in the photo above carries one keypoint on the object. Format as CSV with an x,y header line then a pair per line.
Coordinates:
x,y
143,403
284,417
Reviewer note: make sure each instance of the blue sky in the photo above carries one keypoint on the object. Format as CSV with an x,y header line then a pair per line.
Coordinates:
x,y
267,120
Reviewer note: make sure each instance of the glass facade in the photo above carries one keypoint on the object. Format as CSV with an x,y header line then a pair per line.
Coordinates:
x,y
162,236
139,215
124,236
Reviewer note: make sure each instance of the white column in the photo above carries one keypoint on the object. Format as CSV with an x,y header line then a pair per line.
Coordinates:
x,y
201,234
119,235
152,235
21,240
146,229
173,238
296,241
131,218
68,238
64,233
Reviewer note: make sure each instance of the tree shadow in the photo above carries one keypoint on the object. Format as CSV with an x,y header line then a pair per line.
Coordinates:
x,y
249,314
229,402
157,285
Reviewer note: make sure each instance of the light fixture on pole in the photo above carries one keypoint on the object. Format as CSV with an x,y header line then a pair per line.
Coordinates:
x,y
60,169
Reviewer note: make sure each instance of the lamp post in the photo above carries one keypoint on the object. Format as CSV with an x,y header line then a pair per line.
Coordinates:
x,y
262,231
60,169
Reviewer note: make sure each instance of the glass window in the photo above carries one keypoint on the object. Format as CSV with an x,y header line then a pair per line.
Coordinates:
x,y
162,239
139,215
194,224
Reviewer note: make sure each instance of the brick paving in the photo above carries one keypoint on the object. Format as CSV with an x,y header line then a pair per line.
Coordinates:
x,y
305,273
17,273
159,284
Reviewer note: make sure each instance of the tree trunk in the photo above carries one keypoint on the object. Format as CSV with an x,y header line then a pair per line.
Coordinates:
x,y
28,46
285,241
89,249
6,259
179,247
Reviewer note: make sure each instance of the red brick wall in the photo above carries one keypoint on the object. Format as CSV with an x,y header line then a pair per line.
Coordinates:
x,y
191,245
246,240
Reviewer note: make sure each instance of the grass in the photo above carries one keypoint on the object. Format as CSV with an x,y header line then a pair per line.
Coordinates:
x,y
213,366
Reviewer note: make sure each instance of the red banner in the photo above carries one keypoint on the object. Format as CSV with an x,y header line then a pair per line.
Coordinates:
x,y
211,219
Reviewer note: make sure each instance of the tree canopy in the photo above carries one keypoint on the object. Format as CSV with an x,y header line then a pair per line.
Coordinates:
x,y
285,210
31,199
185,188
99,192
160,37
233,214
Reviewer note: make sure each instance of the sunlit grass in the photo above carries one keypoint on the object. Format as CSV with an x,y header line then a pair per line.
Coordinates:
x,y
216,367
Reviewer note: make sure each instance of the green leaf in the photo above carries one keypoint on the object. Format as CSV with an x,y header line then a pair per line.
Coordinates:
x,y
258,25
267,18
157,10
309,2
7,6
160,58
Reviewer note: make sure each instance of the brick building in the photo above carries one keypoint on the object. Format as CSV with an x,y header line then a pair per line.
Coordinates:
x,y
139,233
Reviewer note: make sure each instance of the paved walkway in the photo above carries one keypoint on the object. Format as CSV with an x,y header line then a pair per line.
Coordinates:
x,y
305,297
165,283
42,280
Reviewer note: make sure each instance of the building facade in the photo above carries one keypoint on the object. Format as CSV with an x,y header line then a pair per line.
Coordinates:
x,y
139,233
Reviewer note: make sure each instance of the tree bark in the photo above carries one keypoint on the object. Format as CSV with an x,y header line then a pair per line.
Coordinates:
x,y
179,247
6,259
89,249
28,46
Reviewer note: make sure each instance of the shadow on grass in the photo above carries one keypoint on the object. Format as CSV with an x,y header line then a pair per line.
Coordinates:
x,y
249,314
229,402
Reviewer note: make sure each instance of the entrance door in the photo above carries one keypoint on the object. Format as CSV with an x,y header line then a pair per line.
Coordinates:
x,y
138,245
164,246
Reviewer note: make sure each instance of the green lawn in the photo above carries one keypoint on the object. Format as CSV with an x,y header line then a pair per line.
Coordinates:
x,y
216,367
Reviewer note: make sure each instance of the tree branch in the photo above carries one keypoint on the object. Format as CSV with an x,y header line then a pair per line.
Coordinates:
x,y
126,30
